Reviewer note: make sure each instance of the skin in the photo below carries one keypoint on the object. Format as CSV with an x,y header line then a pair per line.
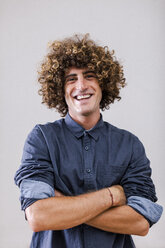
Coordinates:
x,y
121,219
58,213
95,209
78,83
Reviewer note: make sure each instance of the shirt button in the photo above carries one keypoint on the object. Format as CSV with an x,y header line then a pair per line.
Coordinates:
x,y
86,148
88,170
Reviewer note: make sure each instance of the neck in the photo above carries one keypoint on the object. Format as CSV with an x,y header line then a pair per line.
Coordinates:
x,y
87,122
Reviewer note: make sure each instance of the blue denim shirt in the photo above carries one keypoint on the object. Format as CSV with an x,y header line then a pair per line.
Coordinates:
x,y
63,156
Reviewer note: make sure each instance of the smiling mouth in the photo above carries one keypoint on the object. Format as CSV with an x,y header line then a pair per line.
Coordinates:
x,y
81,97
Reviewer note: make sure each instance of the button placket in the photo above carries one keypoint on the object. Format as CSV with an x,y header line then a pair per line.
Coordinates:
x,y
88,159
87,163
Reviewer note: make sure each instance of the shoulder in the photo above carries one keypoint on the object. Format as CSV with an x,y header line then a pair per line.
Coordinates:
x,y
56,125
125,139
118,131
46,130
121,135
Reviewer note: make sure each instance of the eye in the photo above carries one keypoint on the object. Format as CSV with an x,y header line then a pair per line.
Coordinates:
x,y
88,76
70,79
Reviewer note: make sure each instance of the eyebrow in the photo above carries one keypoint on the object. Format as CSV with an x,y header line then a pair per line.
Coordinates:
x,y
70,75
86,72
74,74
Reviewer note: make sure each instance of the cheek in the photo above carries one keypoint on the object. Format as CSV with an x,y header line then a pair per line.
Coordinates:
x,y
66,97
100,94
67,92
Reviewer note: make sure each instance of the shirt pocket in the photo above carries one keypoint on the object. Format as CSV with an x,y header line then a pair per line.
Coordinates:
x,y
111,175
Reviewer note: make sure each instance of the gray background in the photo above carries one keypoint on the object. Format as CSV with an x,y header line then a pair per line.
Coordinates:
x,y
135,29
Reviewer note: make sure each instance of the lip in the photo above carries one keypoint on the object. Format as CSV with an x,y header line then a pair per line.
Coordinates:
x,y
80,97
82,93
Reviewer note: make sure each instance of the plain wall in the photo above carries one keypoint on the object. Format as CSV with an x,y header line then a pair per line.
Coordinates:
x,y
135,30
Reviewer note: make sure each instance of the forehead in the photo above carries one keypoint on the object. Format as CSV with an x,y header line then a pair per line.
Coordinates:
x,y
75,70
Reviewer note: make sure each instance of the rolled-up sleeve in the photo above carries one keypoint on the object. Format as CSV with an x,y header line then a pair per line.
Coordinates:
x,y
137,179
35,176
138,185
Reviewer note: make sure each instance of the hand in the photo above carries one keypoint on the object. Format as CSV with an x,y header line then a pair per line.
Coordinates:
x,y
118,194
58,193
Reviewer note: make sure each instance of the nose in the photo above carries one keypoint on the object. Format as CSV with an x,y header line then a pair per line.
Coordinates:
x,y
81,84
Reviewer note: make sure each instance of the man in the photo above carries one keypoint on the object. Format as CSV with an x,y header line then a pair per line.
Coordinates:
x,y
84,182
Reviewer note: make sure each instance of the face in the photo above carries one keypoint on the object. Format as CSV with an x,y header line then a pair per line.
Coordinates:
x,y
82,92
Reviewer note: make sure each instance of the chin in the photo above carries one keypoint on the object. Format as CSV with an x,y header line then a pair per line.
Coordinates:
x,y
85,113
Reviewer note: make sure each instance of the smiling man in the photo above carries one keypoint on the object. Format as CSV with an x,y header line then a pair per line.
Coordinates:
x,y
84,183
83,96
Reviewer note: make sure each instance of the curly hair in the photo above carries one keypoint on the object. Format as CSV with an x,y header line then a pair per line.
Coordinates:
x,y
81,52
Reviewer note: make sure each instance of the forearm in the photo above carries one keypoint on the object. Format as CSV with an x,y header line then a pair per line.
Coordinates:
x,y
122,219
58,213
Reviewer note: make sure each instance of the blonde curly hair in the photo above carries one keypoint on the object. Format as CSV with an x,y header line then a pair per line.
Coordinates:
x,y
81,52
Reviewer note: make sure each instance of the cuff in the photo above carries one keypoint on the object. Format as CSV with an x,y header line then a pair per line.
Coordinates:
x,y
32,191
150,210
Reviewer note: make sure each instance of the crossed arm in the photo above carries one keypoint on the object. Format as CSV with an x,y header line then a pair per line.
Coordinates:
x,y
94,209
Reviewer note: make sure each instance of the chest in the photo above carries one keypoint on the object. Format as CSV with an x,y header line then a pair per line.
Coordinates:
x,y
87,164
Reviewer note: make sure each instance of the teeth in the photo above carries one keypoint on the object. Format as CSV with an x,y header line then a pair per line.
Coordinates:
x,y
82,97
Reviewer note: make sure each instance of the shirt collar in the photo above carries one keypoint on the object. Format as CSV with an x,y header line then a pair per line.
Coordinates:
x,y
79,131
